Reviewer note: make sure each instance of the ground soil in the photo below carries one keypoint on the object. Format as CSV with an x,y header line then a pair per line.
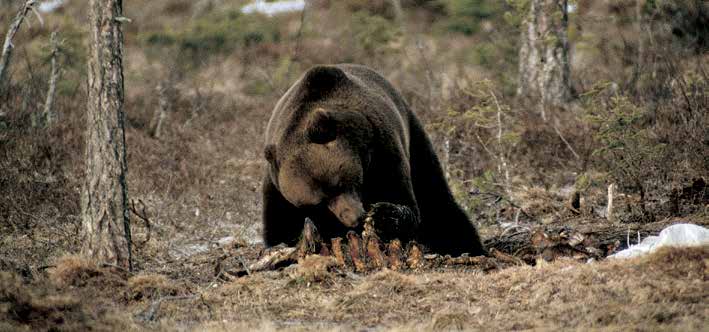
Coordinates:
x,y
666,290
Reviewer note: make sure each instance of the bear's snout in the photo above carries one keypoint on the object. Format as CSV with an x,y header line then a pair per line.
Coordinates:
x,y
347,208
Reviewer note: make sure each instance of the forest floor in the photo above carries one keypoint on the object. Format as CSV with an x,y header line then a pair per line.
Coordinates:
x,y
667,290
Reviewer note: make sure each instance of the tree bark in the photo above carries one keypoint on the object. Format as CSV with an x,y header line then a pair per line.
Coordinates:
x,y
529,58
104,207
544,72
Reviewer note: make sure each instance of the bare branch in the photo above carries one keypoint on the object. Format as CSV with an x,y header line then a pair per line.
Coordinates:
x,y
568,145
143,216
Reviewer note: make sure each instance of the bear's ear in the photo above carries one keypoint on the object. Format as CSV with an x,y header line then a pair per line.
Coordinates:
x,y
322,128
270,153
319,81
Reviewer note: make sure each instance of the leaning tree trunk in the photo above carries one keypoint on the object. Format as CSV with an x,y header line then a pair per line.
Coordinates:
x,y
544,72
104,206
8,46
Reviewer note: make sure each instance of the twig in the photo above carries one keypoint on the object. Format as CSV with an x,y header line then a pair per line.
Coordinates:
x,y
143,216
484,145
39,17
502,158
7,46
564,140
114,266
246,266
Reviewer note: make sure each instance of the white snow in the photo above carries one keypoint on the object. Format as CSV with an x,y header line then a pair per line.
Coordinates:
x,y
679,235
275,7
50,6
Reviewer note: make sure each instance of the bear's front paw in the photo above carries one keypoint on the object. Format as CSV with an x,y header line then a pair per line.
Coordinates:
x,y
391,221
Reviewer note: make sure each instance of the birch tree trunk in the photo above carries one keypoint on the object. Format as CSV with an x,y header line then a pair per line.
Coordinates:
x,y
49,114
529,57
544,72
8,46
104,208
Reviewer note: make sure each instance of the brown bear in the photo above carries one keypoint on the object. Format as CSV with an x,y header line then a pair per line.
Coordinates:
x,y
341,140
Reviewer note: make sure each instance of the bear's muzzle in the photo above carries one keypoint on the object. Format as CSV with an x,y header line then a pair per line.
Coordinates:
x,y
347,208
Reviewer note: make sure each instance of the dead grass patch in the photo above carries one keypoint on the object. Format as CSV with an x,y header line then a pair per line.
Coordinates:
x,y
75,271
37,307
314,268
665,290
152,286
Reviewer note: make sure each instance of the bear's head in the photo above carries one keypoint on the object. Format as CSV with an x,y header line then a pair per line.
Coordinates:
x,y
321,161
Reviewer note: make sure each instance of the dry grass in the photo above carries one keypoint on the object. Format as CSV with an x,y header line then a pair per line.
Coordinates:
x,y
40,307
664,291
77,271
152,287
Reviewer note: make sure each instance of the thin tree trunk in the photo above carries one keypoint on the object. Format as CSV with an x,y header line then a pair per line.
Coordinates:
x,y
164,95
49,115
7,46
544,70
104,209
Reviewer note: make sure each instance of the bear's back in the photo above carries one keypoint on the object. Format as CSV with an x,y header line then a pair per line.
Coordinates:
x,y
343,84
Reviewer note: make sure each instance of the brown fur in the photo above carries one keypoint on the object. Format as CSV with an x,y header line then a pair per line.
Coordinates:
x,y
342,139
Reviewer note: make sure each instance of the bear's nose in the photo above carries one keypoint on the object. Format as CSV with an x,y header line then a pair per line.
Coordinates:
x,y
347,208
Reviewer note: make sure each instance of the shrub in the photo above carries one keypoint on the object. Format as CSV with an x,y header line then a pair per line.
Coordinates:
x,y
465,16
374,34
217,33
653,151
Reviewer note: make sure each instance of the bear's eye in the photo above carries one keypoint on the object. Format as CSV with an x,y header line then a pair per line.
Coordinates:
x,y
322,128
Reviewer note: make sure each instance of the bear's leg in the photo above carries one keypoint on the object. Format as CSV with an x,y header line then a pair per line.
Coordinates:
x,y
445,228
392,221
282,221
393,210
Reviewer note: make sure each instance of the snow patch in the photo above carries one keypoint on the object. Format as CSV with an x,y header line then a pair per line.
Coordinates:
x,y
50,6
679,235
273,8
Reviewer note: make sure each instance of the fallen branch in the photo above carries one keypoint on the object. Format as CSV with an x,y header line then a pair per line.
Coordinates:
x,y
601,239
